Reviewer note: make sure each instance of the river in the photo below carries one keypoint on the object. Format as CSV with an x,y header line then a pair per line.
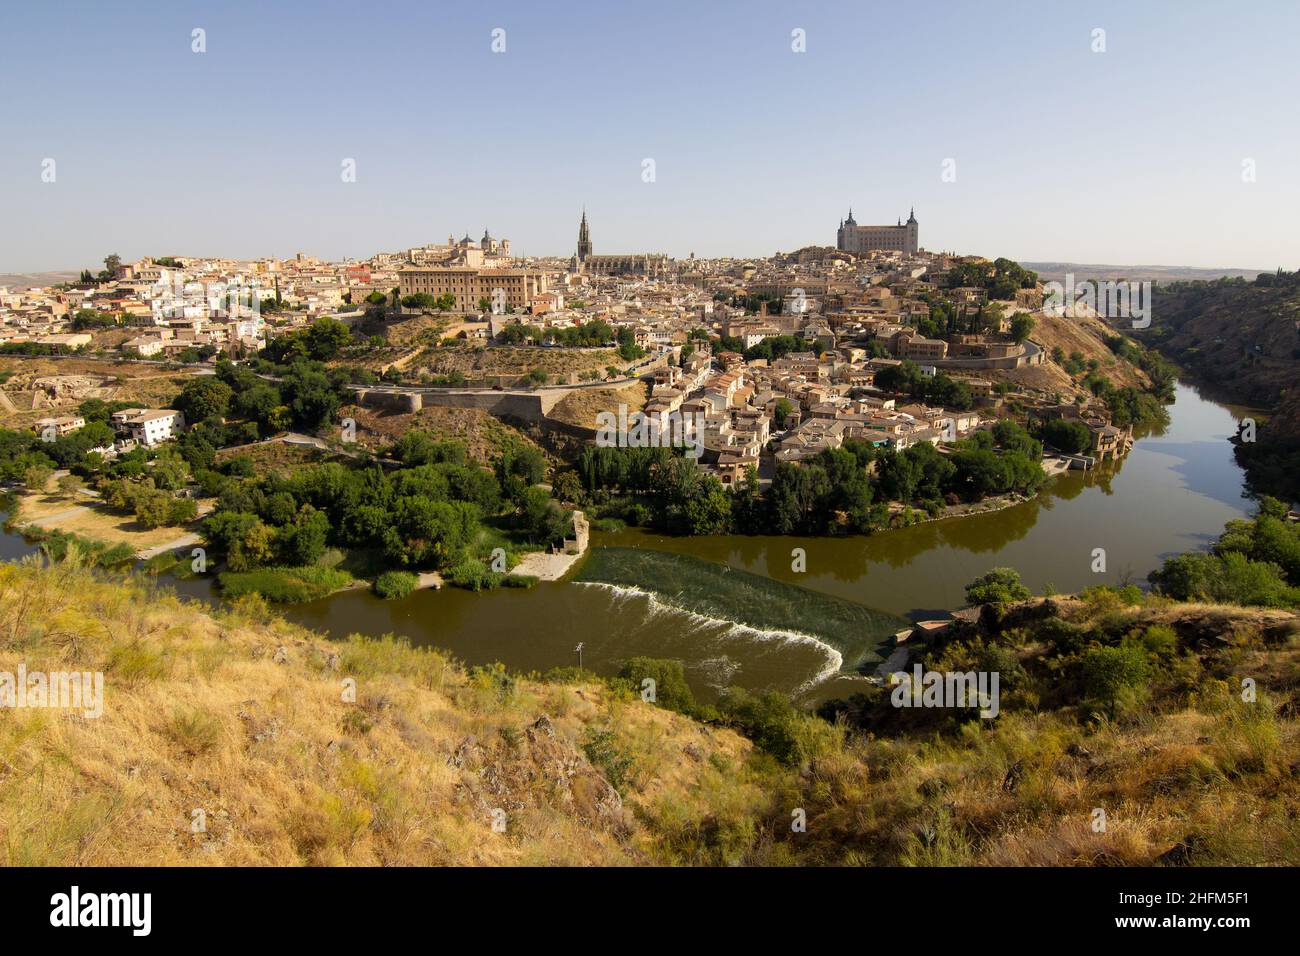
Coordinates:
x,y
1172,493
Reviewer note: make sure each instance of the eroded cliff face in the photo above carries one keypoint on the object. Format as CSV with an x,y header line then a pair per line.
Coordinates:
x,y
1242,338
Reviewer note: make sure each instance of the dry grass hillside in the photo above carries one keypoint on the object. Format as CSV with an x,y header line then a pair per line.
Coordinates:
x,y
1186,772
242,717
581,407
1084,334
1243,338
246,719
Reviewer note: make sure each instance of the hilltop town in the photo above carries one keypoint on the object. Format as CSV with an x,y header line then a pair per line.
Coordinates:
x,y
873,340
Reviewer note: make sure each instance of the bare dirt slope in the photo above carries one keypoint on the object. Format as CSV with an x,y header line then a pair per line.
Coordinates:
x,y
581,407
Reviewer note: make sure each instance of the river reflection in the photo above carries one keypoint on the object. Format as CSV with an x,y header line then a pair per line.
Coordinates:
x,y
1172,493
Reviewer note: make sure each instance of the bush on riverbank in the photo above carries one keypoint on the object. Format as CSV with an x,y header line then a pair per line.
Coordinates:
x,y
473,575
179,565
997,586
392,585
1255,562
60,545
284,585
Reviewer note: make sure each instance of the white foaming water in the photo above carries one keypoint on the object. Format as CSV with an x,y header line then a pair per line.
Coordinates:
x,y
728,629
718,671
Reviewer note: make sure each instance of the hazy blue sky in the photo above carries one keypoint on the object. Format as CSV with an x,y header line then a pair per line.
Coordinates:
x,y
1129,156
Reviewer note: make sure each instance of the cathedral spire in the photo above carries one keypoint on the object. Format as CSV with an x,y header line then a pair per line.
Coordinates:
x,y
584,237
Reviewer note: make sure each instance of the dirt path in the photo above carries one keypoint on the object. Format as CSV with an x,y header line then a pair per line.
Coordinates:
x,y
184,541
46,520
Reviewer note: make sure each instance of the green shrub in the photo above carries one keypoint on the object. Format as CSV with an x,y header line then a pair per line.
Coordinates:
x,y
614,764
58,545
1103,598
1231,578
392,585
494,678
670,688
569,675
1064,637
1158,640
284,585
1109,671
998,586
771,721
473,575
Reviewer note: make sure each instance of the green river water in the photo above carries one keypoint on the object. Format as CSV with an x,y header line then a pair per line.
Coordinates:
x,y
1173,493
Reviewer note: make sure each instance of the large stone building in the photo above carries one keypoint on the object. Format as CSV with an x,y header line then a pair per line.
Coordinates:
x,y
487,251
650,265
504,288
905,237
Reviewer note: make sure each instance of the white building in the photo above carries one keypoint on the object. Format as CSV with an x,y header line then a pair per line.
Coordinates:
x,y
150,426
146,345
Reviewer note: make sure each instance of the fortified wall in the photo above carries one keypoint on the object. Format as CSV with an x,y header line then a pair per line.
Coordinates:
x,y
531,406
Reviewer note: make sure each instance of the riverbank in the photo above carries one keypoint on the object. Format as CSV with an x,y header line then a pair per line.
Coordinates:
x,y
545,566
1173,493
84,515
984,506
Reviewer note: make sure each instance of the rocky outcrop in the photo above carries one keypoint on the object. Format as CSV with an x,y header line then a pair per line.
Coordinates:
x,y
541,769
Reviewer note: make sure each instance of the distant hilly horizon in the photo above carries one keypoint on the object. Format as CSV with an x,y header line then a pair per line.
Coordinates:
x,y
53,277
1048,271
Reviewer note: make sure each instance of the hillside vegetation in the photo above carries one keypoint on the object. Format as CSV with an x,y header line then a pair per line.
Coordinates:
x,y
1082,335
1115,701
1243,338
243,717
